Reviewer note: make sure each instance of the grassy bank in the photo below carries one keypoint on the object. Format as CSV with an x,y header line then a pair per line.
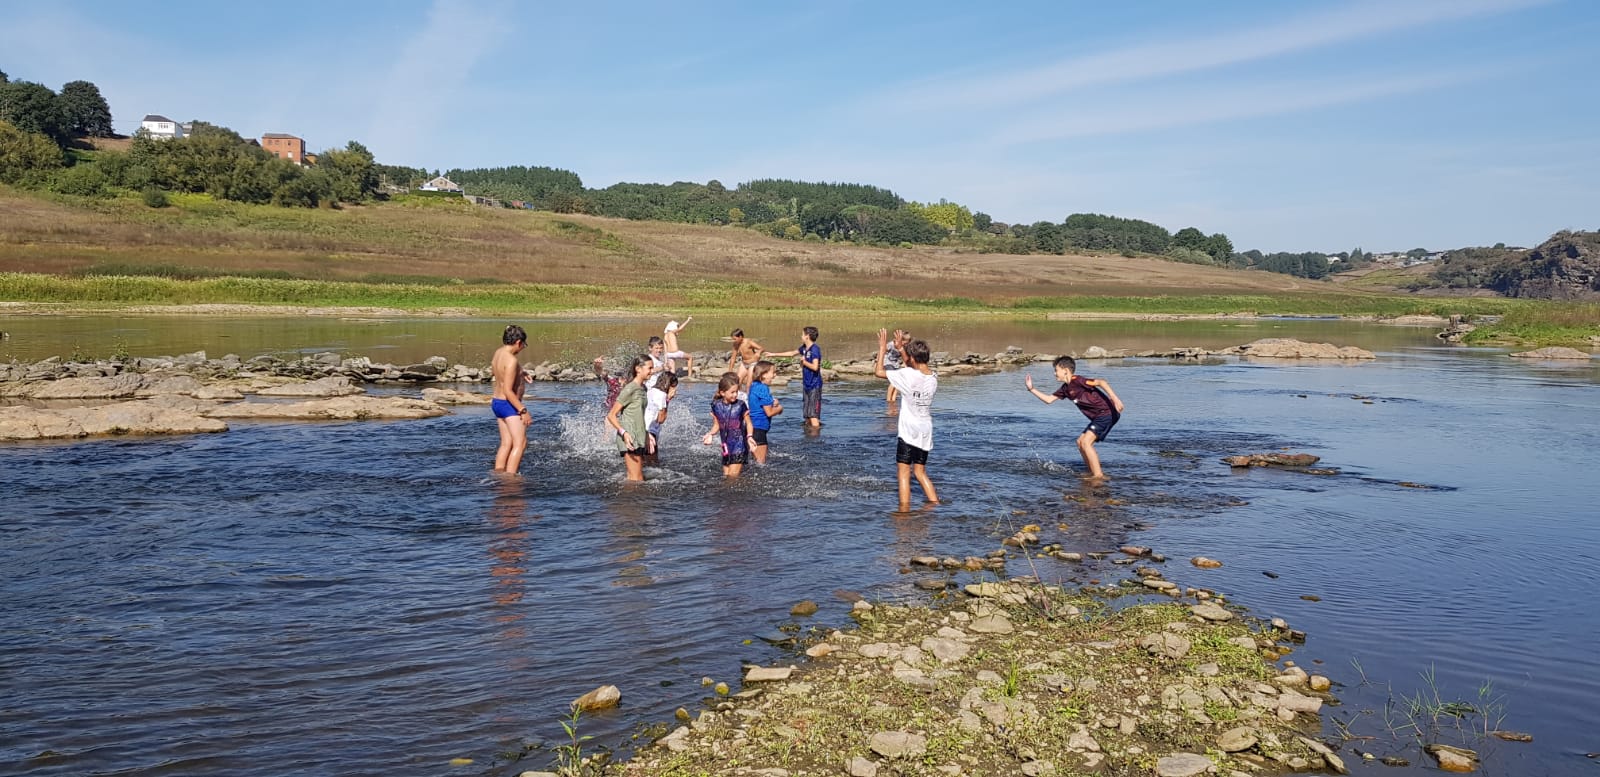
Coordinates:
x,y
422,295
1571,324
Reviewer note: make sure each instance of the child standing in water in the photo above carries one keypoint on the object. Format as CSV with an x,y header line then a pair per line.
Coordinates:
x,y
916,384
894,359
673,352
811,376
627,417
762,408
510,414
1097,401
730,418
662,391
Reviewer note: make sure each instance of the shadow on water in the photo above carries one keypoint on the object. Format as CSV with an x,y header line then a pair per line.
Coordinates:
x,y
363,598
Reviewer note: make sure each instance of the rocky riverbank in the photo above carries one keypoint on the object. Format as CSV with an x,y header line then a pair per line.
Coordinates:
x,y
1021,678
54,399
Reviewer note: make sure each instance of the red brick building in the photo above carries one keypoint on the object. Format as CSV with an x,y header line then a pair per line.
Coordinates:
x,y
285,147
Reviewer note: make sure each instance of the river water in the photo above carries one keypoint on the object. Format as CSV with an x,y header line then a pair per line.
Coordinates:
x,y
358,598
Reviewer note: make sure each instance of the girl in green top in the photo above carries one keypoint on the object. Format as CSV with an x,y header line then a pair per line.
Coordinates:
x,y
627,417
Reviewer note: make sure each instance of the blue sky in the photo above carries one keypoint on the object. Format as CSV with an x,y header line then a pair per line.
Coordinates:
x,y
1388,124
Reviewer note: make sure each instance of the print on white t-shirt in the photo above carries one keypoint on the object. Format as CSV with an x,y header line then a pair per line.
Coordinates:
x,y
916,404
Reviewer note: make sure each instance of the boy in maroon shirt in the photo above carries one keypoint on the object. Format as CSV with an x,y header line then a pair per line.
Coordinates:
x,y
1097,401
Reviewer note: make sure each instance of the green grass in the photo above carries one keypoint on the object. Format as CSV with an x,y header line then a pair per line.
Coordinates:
x,y
1539,325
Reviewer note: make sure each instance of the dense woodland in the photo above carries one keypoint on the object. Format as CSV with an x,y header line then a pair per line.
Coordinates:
x,y
41,147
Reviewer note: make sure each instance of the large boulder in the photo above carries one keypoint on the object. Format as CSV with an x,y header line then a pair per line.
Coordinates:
x,y
141,418
31,423
336,409
1287,348
332,386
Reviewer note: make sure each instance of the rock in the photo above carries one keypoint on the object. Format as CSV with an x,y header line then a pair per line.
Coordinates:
x,y
1552,353
1038,769
1166,644
29,423
1335,763
1286,348
986,590
1182,765
991,624
604,697
217,392
1212,612
1159,584
172,384
1205,563
1453,759
1083,742
1235,740
1294,702
332,386
1319,683
441,396
946,650
1135,550
1511,736
141,418
122,386
1094,352
338,409
804,608
898,744
860,767
764,674
820,649
1272,460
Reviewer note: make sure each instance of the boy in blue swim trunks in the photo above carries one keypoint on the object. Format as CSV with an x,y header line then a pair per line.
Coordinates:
x,y
510,413
1097,401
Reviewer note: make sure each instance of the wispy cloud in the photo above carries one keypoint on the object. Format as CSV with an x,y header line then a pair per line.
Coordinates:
x,y
1187,55
425,84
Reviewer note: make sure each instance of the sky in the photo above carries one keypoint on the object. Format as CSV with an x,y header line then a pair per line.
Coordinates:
x,y
1383,124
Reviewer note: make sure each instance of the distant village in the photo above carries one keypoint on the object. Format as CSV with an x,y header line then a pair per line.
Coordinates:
x,y
293,148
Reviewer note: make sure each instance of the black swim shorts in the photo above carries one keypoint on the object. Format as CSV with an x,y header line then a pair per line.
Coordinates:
x,y
906,453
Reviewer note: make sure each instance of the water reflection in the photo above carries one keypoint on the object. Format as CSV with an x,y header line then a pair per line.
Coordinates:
x,y
508,550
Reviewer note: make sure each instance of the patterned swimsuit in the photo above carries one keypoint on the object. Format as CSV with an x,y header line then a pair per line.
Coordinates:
x,y
730,423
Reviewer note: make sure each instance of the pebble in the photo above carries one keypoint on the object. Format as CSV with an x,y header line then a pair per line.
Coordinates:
x,y
991,624
604,697
1182,765
764,674
1212,612
1205,563
1453,759
861,767
897,744
1320,684
1236,739
804,608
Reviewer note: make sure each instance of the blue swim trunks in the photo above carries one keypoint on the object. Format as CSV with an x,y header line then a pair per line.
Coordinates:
x,y
502,408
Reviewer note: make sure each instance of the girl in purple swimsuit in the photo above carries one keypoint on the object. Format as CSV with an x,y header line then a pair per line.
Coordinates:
x,y
730,418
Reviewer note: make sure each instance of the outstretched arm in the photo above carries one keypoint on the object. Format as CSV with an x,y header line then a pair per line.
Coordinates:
x,y
1043,397
883,345
810,365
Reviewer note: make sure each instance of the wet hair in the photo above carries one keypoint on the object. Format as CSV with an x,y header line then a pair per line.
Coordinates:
x,y
1067,361
763,369
655,341
917,352
730,380
736,333
514,335
642,360
811,333
665,381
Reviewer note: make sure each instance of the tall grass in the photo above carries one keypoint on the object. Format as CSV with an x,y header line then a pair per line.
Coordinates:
x,y
1543,324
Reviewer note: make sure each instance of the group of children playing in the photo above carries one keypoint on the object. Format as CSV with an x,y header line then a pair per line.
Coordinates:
x,y
743,407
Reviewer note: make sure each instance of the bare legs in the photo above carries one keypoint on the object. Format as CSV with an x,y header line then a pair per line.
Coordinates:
x,y
905,472
513,443
635,466
1090,457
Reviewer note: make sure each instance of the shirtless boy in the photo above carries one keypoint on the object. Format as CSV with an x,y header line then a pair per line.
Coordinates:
x,y
509,411
743,358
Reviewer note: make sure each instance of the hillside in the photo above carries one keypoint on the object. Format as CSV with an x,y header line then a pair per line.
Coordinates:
x,y
449,241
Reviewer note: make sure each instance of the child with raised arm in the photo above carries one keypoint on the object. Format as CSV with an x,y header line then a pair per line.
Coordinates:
x,y
673,352
627,417
762,408
916,384
730,418
510,414
663,389
894,359
811,376
1097,401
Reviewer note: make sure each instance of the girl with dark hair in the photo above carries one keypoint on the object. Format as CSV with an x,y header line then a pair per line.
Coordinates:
x,y
627,417
731,418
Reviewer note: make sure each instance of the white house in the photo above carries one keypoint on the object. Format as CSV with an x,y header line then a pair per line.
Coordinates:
x,y
158,126
440,184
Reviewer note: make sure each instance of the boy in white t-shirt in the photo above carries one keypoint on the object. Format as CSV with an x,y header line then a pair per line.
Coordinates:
x,y
916,384
663,389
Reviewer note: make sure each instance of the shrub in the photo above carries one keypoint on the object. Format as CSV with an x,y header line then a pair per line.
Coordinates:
x,y
1188,255
154,197
85,180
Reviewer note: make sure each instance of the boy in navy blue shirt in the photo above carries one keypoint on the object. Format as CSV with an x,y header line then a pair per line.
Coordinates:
x,y
810,376
762,408
1097,401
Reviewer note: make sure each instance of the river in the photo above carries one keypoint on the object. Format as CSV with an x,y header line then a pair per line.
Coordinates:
x,y
357,598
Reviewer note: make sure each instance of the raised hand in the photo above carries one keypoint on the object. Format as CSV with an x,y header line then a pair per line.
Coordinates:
x,y
1028,379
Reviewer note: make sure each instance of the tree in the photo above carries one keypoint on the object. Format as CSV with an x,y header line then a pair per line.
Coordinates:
x,y
1219,247
32,107
1189,237
954,218
26,157
4,78
85,110
352,172
982,221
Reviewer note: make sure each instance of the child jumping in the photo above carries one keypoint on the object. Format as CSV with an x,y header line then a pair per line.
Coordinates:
x,y
916,384
673,352
1097,401
730,417
762,408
